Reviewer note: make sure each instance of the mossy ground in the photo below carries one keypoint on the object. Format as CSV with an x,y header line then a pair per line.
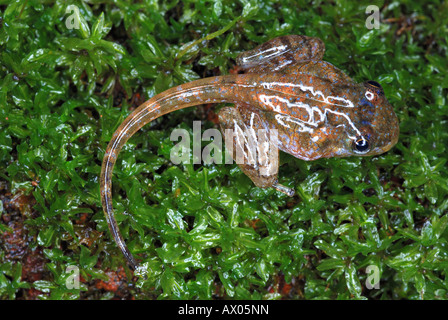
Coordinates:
x,y
205,231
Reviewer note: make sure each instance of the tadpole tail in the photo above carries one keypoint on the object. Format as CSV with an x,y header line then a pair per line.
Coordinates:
x,y
203,91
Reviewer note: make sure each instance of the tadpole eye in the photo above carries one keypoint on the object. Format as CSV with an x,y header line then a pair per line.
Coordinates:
x,y
374,83
361,145
374,87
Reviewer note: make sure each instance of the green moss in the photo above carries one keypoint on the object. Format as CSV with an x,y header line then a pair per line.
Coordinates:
x,y
206,231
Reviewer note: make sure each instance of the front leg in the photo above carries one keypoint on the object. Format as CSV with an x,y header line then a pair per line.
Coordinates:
x,y
254,148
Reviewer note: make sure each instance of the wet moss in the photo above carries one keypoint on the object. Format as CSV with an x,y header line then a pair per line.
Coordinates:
x,y
204,230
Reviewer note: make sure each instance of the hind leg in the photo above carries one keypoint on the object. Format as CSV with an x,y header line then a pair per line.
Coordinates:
x,y
278,53
291,54
253,146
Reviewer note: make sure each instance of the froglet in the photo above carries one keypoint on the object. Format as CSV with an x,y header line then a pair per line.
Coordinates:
x,y
314,108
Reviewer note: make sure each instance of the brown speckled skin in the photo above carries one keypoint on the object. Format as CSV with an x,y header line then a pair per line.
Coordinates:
x,y
318,111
